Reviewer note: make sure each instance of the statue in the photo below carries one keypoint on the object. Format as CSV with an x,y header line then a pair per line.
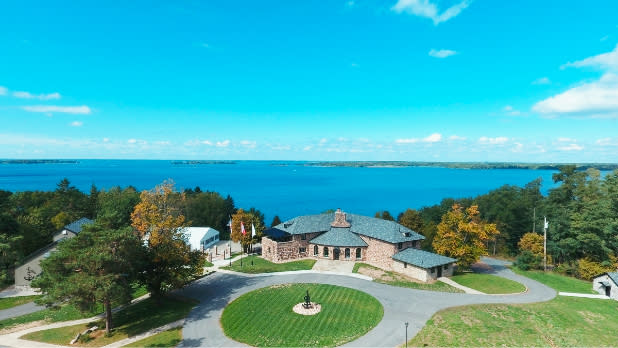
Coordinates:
x,y
307,303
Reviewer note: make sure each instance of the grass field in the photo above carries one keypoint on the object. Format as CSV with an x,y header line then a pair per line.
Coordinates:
x,y
10,302
264,266
265,318
169,338
564,321
558,282
391,278
489,284
135,319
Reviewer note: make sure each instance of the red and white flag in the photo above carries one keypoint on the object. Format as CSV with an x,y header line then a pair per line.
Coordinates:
x,y
242,228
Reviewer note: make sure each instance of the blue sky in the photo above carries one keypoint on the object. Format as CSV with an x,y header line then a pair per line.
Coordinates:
x,y
417,80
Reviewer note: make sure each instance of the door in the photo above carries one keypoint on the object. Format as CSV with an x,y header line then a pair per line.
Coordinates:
x,y
608,291
439,271
336,254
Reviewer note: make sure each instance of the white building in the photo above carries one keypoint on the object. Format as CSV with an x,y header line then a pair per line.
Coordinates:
x,y
606,284
201,238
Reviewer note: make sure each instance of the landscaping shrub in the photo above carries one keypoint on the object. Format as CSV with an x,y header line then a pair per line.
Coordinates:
x,y
527,260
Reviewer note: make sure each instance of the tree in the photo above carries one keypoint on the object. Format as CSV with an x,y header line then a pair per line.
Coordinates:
x,y
384,215
411,219
209,209
97,265
247,218
159,221
115,206
463,235
276,221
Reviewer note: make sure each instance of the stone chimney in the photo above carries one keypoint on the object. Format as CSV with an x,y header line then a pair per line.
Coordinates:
x,y
340,220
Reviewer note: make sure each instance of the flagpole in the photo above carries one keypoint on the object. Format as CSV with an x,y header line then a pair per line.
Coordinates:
x,y
545,244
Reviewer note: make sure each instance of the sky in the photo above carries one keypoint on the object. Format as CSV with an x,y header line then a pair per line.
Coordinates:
x,y
411,80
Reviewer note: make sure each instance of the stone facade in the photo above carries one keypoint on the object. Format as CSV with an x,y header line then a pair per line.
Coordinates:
x,y
602,289
342,253
425,275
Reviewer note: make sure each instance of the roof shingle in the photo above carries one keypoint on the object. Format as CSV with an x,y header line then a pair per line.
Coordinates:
x,y
421,258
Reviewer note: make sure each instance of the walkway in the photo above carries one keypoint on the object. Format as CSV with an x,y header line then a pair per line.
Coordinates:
x,y
333,266
202,327
466,289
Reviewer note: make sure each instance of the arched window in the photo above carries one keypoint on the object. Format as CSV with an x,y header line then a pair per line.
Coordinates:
x,y
358,253
315,250
347,253
325,251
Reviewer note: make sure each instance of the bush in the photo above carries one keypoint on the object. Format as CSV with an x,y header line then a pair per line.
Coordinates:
x,y
527,260
588,269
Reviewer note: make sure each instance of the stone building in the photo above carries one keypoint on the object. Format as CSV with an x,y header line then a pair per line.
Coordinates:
x,y
606,284
30,268
349,237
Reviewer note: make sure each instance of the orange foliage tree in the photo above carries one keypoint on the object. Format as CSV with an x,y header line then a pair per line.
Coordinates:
x,y
247,219
463,235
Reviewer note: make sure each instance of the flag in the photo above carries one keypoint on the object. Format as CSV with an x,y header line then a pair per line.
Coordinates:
x,y
242,228
546,225
252,231
230,224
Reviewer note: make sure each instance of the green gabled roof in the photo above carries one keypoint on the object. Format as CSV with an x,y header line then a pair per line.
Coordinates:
x,y
341,237
613,276
421,258
76,226
385,230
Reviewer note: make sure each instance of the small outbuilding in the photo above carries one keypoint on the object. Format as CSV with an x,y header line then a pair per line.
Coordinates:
x,y
423,265
201,238
606,284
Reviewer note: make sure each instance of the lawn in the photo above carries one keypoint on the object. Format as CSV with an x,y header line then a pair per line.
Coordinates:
x,y
169,338
391,278
558,282
134,319
564,321
489,284
10,302
264,317
264,266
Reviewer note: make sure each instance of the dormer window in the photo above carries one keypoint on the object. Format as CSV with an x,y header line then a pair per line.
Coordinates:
x,y
406,234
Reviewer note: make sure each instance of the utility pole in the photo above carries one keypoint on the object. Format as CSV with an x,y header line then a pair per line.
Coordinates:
x,y
534,220
545,225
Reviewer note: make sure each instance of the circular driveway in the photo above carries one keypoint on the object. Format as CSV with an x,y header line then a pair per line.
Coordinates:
x,y
202,327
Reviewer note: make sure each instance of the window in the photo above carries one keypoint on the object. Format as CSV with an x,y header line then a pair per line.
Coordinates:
x,y
347,253
325,251
405,265
315,250
433,270
269,250
302,250
445,267
303,236
399,245
358,253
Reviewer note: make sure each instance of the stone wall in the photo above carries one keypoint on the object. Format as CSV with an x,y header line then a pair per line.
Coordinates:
x,y
411,271
379,253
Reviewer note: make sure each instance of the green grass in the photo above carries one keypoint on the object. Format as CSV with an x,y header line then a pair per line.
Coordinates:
x,y
265,318
562,322
63,313
169,338
558,282
264,266
489,284
395,279
133,320
10,302
208,263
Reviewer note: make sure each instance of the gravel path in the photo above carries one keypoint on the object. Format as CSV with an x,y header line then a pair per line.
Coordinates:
x,y
202,327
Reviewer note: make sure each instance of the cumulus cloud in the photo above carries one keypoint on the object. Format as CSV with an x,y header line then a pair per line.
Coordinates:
x,y
434,138
493,141
570,147
456,137
224,143
28,95
607,142
77,124
441,53
591,99
428,9
248,144
132,141
83,109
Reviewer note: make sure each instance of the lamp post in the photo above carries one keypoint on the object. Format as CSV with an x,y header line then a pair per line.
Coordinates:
x,y
406,334
229,244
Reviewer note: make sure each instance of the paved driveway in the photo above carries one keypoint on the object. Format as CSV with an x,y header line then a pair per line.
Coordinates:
x,y
202,327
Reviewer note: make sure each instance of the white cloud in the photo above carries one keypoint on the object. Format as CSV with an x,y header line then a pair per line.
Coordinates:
x,y
28,95
163,142
280,147
604,61
84,110
570,147
441,53
406,141
434,138
248,143
106,140
456,137
307,148
519,147
607,142
567,140
493,141
604,38
427,9
592,99
3,90
77,124
132,141
206,142
541,81
509,110
224,143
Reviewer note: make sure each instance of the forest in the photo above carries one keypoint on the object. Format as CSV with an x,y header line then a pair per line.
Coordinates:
x,y
582,213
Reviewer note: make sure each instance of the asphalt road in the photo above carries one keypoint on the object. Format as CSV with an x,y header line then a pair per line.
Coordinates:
x,y
202,327
20,310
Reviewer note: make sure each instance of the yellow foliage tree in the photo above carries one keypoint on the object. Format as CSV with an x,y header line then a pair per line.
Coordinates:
x,y
463,235
246,218
533,242
159,221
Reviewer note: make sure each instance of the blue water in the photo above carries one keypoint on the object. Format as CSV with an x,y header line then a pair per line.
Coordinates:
x,y
276,189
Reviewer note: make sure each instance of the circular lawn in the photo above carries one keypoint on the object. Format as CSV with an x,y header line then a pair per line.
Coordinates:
x,y
264,317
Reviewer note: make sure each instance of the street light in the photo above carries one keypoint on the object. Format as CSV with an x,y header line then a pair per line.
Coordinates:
x,y
406,334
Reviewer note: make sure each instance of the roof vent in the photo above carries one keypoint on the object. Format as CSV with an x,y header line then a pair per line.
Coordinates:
x,y
288,224
340,220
